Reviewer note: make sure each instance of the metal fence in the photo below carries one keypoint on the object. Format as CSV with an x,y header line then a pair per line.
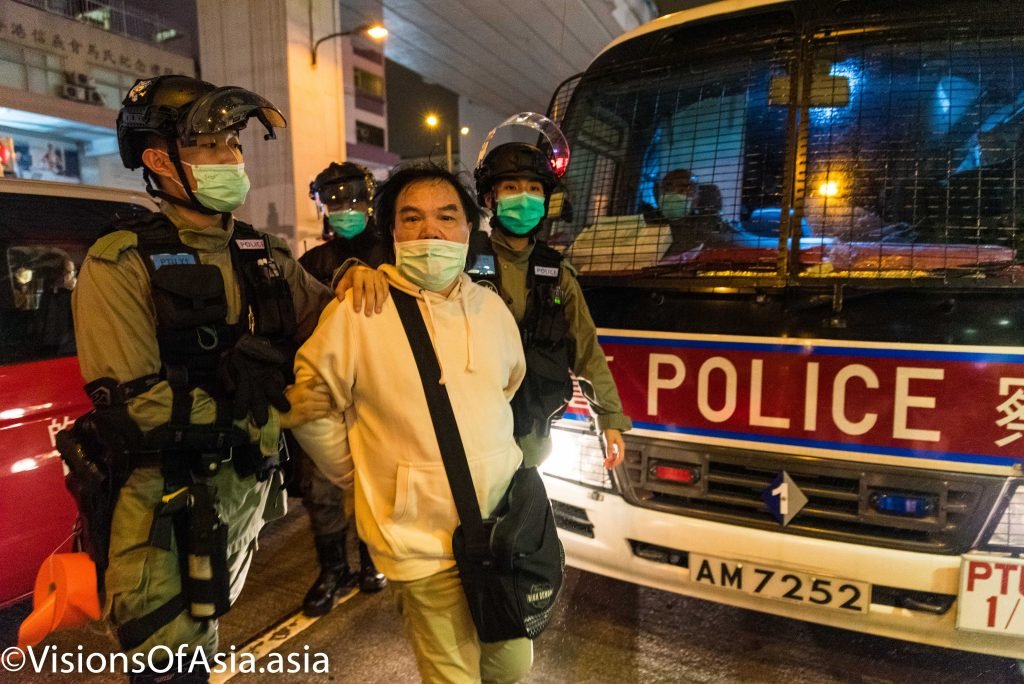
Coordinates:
x,y
116,16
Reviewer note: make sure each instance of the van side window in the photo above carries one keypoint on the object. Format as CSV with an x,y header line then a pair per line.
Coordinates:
x,y
35,306
43,241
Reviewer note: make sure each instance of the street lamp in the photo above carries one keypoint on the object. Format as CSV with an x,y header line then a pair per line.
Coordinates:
x,y
375,31
432,122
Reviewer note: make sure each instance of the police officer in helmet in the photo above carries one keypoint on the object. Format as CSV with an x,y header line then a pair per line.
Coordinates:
x,y
186,322
515,181
343,194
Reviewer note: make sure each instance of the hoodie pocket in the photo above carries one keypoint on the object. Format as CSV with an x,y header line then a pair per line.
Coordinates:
x,y
423,495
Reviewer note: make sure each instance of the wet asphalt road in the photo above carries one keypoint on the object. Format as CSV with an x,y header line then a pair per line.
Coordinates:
x,y
604,631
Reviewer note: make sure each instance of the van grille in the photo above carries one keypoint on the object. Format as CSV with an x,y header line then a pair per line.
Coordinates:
x,y
731,484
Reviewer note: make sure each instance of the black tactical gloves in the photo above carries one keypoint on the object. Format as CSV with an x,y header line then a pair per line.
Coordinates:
x,y
252,374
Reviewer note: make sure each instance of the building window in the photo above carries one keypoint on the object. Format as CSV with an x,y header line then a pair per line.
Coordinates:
x,y
369,55
369,135
368,83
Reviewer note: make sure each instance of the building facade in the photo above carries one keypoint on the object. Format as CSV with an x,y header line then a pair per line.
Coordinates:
x,y
65,66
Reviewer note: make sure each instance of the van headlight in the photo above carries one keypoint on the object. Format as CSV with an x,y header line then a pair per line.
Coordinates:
x,y
577,456
1008,533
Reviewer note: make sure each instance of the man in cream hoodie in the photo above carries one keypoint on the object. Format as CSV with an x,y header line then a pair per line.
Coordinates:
x,y
382,428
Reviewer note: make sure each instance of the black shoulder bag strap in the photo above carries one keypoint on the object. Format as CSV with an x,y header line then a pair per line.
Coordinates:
x,y
453,453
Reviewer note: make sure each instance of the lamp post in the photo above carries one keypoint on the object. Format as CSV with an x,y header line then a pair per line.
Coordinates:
x,y
375,31
432,122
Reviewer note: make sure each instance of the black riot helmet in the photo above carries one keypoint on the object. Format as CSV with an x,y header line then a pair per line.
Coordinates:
x,y
514,160
339,187
179,109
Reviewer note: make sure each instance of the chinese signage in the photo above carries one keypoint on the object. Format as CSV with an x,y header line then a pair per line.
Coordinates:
x,y
948,403
83,44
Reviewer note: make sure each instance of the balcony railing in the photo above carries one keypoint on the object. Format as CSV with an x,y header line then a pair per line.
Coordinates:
x,y
118,17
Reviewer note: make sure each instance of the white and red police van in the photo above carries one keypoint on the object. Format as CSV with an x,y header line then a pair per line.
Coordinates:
x,y
800,226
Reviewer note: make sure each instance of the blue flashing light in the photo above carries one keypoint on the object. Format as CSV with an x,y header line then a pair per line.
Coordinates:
x,y
905,505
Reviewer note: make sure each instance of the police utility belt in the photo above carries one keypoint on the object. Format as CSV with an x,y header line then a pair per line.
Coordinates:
x,y
194,338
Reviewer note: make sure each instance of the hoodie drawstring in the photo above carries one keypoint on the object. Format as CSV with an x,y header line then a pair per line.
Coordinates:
x,y
425,296
433,329
469,333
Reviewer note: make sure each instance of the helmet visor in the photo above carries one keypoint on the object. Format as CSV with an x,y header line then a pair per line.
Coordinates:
x,y
352,193
557,145
228,108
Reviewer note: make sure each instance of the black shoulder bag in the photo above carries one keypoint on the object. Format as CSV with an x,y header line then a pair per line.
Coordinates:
x,y
510,564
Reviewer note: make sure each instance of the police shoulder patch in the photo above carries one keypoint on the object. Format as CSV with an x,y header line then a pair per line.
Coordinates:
x,y
112,245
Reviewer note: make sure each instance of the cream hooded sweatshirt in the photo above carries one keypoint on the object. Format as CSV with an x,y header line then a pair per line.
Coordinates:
x,y
404,506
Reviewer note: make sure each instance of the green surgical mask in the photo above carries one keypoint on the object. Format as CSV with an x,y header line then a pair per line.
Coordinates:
x,y
520,213
431,264
349,223
220,187
675,206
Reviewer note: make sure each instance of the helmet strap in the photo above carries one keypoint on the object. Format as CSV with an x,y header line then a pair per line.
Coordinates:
x,y
152,187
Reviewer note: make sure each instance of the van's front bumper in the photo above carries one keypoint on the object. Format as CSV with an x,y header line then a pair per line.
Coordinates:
x,y
619,529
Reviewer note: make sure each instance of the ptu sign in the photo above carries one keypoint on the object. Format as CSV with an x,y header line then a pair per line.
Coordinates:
x,y
992,595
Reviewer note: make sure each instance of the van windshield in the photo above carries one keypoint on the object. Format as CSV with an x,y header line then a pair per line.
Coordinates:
x,y
908,161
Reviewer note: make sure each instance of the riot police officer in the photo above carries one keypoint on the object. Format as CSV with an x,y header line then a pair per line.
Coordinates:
x,y
186,321
343,194
515,181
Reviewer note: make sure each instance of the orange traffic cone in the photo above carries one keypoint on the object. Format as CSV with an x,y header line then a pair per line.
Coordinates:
x,y
65,597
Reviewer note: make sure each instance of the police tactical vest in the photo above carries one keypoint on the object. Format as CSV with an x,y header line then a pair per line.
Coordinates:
x,y
191,304
547,343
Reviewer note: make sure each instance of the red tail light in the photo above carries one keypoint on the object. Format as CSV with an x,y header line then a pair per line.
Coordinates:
x,y
680,474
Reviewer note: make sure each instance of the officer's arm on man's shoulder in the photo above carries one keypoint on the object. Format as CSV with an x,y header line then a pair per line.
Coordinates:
x,y
308,295
591,363
115,328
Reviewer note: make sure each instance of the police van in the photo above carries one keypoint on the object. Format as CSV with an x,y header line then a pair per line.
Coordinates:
x,y
800,229
45,231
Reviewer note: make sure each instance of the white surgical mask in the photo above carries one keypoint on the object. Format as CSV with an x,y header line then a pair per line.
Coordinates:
x,y
431,264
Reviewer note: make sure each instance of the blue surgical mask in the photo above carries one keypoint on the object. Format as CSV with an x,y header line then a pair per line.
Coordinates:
x,y
675,206
220,187
349,223
520,213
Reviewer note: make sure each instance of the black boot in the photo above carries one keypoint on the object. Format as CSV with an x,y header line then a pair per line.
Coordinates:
x,y
335,576
370,579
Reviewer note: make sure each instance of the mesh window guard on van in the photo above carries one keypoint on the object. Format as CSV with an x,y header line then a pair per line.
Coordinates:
x,y
889,150
919,175
672,155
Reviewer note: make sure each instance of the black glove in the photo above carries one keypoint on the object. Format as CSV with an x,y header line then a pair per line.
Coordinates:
x,y
251,373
